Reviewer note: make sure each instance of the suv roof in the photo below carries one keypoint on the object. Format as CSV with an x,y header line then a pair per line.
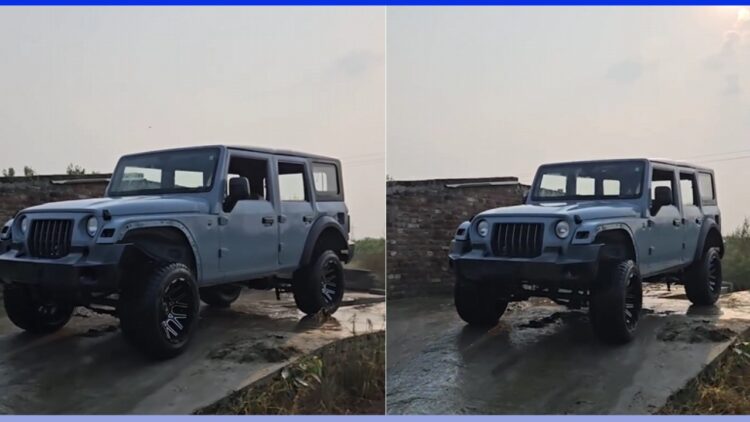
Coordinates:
x,y
653,160
247,148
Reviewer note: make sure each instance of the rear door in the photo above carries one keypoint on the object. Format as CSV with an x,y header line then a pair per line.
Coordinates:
x,y
297,209
663,234
692,214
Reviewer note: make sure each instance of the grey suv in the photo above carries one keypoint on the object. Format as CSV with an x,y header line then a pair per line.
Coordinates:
x,y
588,234
175,227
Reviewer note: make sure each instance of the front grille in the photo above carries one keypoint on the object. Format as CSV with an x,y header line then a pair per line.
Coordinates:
x,y
50,238
518,240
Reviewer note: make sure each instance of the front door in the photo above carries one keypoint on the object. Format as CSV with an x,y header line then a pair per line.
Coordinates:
x,y
297,212
249,231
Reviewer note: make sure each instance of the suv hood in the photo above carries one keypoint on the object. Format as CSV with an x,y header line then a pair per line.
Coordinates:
x,y
586,209
127,205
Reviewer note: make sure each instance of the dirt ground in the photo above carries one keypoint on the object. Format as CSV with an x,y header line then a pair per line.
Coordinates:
x,y
88,368
544,359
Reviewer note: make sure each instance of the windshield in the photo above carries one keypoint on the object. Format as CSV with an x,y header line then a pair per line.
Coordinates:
x,y
165,172
585,181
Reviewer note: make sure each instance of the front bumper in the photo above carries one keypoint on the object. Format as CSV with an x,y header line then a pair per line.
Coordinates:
x,y
97,270
578,264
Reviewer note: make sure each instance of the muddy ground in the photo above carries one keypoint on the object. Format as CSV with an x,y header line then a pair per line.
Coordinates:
x,y
544,359
88,367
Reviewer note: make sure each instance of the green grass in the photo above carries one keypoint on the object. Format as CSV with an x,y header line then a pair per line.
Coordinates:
x,y
736,262
369,254
344,378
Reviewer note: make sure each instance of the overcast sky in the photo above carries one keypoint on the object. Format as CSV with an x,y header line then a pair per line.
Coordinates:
x,y
497,91
85,85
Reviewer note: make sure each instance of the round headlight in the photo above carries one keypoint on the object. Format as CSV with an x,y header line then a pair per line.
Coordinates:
x,y
24,224
483,228
92,225
562,229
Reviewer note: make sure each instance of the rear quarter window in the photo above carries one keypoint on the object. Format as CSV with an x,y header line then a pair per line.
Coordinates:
x,y
706,186
326,181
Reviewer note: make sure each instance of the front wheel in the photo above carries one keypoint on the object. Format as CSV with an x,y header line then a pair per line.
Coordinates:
x,y
320,286
159,313
35,311
703,280
477,303
616,302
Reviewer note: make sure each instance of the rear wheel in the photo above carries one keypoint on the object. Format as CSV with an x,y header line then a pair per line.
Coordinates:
x,y
703,280
158,314
320,286
35,311
616,302
477,303
220,296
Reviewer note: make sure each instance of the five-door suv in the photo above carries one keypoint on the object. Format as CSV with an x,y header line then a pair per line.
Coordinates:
x,y
589,234
176,226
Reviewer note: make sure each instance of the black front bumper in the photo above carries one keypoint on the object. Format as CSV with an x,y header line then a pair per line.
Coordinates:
x,y
578,265
97,270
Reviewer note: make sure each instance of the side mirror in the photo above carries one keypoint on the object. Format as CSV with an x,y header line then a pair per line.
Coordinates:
x,y
239,189
662,198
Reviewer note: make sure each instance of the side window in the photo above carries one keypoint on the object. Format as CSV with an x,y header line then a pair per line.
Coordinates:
x,y
326,180
661,178
688,189
706,181
292,182
611,187
585,186
256,171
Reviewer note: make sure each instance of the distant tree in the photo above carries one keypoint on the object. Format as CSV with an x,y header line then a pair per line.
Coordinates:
x,y
9,172
75,170
28,171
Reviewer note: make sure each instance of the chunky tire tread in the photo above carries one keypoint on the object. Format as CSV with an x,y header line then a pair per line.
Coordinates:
x,y
23,311
307,289
477,304
220,296
139,311
696,281
607,307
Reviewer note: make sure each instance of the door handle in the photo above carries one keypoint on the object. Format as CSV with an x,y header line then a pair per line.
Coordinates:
x,y
676,221
282,219
268,221
698,221
650,223
308,218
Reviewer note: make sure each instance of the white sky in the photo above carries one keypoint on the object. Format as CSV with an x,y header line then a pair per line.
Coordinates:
x,y
497,91
86,85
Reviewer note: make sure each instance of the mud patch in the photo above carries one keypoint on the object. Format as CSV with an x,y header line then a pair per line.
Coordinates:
x,y
701,331
267,350
99,331
560,317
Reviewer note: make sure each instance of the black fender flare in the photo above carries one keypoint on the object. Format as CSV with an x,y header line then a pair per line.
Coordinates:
x,y
322,223
708,224
611,227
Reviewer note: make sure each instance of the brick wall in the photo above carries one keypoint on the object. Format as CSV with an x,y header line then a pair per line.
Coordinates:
x,y
422,217
17,193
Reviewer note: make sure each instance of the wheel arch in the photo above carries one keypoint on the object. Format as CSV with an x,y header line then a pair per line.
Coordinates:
x,y
710,236
168,241
617,243
325,231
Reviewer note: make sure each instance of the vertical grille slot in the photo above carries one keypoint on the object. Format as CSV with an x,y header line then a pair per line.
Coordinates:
x,y
50,238
518,240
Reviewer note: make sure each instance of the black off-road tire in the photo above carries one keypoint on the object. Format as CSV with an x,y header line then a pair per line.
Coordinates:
x,y
165,298
320,285
616,302
703,279
29,310
220,296
478,303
